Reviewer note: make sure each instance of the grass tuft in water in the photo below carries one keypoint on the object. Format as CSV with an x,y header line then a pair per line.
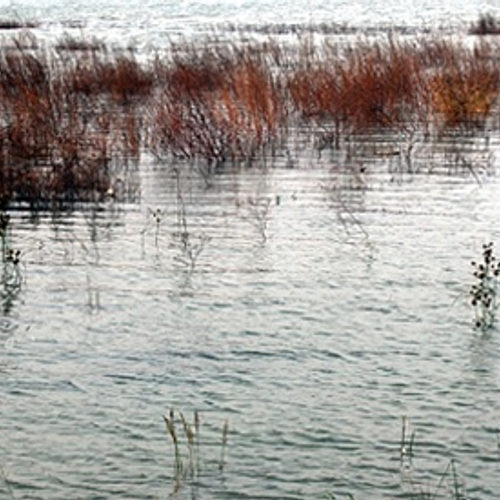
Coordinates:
x,y
185,437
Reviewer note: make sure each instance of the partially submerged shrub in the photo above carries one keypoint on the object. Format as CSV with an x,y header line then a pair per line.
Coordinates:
x,y
361,89
465,90
116,75
426,85
484,292
222,108
64,122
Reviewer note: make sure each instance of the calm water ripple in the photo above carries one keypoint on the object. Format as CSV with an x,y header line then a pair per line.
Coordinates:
x,y
313,343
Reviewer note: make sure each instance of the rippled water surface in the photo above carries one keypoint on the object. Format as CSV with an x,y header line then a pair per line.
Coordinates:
x,y
308,307
317,314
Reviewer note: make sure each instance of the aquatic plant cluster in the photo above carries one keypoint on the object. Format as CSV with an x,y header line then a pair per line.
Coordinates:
x,y
484,292
76,113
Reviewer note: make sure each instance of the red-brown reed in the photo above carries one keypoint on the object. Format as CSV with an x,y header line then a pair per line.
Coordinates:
x,y
394,85
66,116
464,91
217,106
363,88
64,119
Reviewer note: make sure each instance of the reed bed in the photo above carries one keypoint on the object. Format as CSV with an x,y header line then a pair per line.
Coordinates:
x,y
74,114
65,120
432,85
218,106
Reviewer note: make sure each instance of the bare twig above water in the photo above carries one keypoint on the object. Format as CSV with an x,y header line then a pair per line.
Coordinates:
x,y
191,244
259,211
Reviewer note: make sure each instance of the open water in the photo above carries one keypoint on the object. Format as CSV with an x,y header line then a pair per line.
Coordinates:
x,y
309,308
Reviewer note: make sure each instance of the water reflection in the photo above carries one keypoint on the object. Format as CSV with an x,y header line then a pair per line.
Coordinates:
x,y
93,296
247,331
9,293
484,350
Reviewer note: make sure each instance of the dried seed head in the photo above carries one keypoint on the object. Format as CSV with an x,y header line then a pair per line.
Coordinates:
x,y
171,426
188,430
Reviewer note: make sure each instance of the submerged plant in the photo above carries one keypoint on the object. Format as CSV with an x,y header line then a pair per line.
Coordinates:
x,y
189,431
190,466
154,217
225,432
259,209
484,292
191,244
